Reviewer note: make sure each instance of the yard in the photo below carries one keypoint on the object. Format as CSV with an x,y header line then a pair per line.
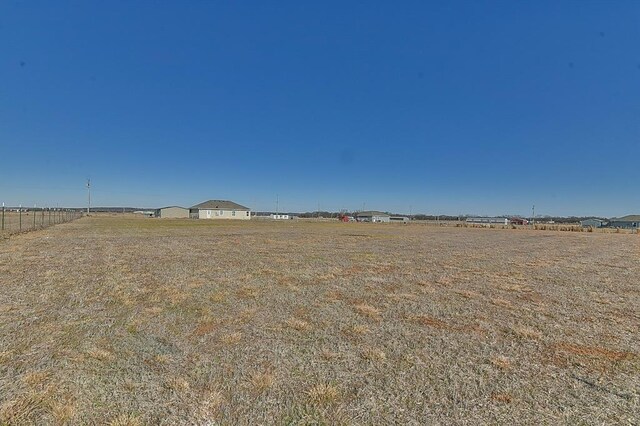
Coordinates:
x,y
134,321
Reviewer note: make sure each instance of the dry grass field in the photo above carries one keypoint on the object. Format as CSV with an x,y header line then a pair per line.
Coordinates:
x,y
127,321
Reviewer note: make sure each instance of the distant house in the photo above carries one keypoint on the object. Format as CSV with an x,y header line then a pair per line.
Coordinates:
x,y
172,212
220,209
593,223
373,216
489,220
279,216
629,222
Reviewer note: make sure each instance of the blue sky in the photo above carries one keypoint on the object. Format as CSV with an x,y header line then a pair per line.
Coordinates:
x,y
438,107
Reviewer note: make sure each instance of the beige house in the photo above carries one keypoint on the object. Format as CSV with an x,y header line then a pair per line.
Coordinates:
x,y
174,212
220,209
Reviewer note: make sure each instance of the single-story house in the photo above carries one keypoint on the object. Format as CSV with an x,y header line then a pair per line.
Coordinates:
x,y
172,212
631,221
593,223
220,209
373,216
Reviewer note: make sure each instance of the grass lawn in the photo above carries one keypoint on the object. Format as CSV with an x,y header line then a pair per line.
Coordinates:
x,y
133,321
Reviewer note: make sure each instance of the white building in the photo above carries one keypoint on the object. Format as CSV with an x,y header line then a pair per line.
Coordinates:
x,y
220,209
278,216
373,216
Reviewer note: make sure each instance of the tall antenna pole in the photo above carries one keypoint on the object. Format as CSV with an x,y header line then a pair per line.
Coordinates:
x,y
89,196
277,204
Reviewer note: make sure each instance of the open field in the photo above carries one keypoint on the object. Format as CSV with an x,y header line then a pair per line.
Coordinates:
x,y
142,321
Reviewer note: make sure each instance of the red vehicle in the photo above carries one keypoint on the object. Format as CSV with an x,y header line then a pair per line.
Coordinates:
x,y
345,218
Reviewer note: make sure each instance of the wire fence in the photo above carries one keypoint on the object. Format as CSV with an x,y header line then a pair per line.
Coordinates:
x,y
16,220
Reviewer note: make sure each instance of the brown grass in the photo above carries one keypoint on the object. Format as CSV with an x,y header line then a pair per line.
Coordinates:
x,y
595,351
501,362
261,381
501,397
323,393
298,324
131,321
368,311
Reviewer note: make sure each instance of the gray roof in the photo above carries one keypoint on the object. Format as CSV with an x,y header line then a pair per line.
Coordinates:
x,y
371,213
628,218
171,207
220,204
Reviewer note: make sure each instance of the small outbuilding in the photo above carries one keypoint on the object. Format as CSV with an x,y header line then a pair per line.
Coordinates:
x,y
174,212
373,216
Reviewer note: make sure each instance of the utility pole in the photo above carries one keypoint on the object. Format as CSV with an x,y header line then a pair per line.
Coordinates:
x,y
277,204
89,196
533,215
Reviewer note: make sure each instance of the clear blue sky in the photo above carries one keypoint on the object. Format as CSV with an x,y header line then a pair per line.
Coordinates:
x,y
444,107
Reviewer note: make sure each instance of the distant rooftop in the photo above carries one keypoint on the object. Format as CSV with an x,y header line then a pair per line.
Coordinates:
x,y
628,218
220,204
169,207
371,213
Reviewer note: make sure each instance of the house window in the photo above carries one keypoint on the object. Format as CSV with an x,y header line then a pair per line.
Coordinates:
x,y
247,213
233,213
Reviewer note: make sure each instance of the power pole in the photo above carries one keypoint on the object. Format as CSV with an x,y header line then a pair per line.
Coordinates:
x,y
89,196
533,215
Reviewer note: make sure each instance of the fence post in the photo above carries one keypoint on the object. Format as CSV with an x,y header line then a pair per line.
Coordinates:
x,y
3,216
20,215
49,209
